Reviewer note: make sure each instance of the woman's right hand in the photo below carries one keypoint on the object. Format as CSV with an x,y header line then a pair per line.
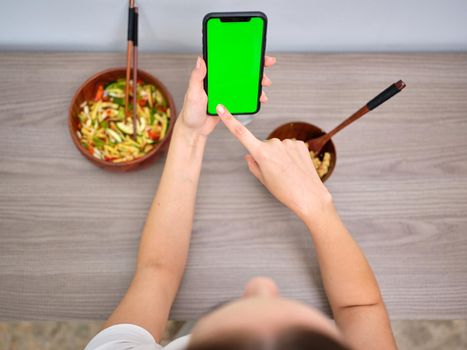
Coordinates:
x,y
284,168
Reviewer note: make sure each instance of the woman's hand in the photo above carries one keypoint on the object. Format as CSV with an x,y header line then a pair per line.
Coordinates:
x,y
193,114
285,168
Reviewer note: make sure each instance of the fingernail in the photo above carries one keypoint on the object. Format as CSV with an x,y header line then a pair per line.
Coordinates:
x,y
220,109
198,62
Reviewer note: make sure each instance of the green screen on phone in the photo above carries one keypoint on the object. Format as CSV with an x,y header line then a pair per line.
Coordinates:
x,y
234,51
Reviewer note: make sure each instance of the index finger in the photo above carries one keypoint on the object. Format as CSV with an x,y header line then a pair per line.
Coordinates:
x,y
244,135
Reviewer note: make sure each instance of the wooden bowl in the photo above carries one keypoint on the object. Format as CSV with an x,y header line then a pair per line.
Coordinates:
x,y
305,131
87,92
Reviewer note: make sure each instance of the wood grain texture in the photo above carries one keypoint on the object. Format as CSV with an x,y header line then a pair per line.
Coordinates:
x,y
69,230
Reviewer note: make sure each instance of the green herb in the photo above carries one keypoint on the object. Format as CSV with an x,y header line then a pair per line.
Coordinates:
x,y
121,114
119,101
98,142
119,84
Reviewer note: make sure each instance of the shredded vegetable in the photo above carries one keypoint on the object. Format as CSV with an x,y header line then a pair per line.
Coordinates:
x,y
107,133
321,165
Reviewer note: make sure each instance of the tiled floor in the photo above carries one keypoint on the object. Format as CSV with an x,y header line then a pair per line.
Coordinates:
x,y
431,335
74,335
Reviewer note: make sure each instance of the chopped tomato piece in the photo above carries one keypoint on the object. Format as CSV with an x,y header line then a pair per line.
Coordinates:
x,y
161,109
154,135
99,93
91,149
142,102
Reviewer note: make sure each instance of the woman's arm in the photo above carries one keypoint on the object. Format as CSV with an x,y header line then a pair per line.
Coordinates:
x,y
166,236
349,282
285,168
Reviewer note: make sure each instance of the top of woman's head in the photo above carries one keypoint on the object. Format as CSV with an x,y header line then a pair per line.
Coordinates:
x,y
291,339
262,319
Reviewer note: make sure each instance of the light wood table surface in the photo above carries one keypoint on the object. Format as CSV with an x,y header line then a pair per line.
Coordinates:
x,y
69,231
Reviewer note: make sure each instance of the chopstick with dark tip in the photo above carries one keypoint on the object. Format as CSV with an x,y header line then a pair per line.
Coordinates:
x,y
129,53
135,70
317,144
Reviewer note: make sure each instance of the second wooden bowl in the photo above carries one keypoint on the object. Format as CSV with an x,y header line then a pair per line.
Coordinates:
x,y
304,132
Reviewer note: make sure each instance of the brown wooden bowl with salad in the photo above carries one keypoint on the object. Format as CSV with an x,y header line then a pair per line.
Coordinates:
x,y
104,134
325,161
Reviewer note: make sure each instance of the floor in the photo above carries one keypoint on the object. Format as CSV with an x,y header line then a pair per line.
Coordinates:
x,y
74,335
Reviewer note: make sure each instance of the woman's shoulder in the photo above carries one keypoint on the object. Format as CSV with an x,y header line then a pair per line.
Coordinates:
x,y
179,343
130,336
123,337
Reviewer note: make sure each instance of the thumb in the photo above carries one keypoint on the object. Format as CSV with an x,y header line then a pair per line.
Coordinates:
x,y
254,167
195,97
196,85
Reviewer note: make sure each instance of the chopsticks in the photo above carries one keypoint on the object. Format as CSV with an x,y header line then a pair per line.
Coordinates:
x,y
132,60
318,143
135,68
129,52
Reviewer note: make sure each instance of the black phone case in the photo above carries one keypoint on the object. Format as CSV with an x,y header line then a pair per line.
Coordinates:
x,y
235,16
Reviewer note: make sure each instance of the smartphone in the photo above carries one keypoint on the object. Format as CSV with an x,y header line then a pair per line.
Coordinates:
x,y
233,48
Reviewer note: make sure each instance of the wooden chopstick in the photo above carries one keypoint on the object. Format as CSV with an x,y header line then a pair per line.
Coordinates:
x,y
135,69
129,52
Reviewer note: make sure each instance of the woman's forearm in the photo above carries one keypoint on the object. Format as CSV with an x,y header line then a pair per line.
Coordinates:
x,y
347,277
166,235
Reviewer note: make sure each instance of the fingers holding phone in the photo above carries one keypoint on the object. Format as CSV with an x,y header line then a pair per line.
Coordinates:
x,y
269,61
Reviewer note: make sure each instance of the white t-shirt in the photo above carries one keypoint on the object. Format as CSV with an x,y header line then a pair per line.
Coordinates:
x,y
131,337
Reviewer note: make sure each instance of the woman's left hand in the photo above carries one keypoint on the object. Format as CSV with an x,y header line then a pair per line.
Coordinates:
x,y
193,114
